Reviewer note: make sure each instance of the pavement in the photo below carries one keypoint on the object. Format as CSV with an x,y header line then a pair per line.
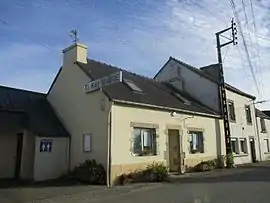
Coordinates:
x,y
247,184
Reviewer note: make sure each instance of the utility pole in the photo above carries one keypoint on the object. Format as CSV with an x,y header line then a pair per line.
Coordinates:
x,y
223,98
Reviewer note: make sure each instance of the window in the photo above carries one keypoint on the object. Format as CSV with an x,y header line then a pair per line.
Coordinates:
x,y
132,86
87,138
234,143
231,111
144,142
248,114
266,146
243,145
263,128
196,144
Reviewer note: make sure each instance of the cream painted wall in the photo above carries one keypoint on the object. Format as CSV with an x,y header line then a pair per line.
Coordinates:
x,y
262,136
81,113
28,155
8,148
122,116
240,128
51,165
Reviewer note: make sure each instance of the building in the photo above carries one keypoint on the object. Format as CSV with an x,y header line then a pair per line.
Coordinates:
x,y
263,121
203,85
33,142
131,122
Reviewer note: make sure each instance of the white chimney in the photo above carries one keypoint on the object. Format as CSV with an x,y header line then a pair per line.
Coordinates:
x,y
75,53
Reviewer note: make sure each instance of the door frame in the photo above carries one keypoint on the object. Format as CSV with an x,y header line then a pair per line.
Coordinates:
x,y
252,149
19,150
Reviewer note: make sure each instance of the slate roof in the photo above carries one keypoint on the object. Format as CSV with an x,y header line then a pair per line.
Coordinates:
x,y
30,110
154,93
267,113
261,114
204,72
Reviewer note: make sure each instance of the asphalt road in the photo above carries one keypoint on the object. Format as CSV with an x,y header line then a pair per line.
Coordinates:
x,y
241,185
247,185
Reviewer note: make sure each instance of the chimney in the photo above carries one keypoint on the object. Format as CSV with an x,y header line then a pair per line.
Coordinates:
x,y
75,53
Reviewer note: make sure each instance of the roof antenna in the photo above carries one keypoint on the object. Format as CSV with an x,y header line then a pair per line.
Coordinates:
x,y
74,36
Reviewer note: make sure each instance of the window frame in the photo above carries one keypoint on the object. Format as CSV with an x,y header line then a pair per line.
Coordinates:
x,y
237,151
263,127
153,133
200,149
247,116
231,113
245,151
268,147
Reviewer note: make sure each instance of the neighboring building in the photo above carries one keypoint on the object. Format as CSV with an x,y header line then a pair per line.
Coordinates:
x,y
263,121
203,84
131,123
33,142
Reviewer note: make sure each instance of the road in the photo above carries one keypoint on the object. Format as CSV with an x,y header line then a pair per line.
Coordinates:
x,y
241,185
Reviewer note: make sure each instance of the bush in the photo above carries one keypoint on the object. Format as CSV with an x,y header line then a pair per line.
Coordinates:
x,y
205,166
229,160
155,172
90,172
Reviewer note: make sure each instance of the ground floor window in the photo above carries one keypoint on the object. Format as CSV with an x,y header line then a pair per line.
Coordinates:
x,y
196,143
235,147
243,145
144,142
266,145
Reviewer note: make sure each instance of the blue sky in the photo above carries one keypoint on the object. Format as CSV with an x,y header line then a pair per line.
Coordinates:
x,y
135,35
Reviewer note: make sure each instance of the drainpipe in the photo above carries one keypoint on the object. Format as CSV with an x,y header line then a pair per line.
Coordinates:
x,y
69,153
109,150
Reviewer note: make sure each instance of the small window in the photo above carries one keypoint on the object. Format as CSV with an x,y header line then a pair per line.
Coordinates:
x,y
248,114
231,111
266,146
234,144
243,145
196,144
87,139
132,86
144,142
263,127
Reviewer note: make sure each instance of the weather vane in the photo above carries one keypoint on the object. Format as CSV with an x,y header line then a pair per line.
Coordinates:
x,y
74,36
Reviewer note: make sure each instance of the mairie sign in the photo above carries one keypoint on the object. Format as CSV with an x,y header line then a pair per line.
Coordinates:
x,y
105,81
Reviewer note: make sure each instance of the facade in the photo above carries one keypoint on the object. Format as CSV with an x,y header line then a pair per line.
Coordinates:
x,y
33,143
263,123
241,109
130,123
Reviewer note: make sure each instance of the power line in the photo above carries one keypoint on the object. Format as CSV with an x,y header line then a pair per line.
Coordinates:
x,y
245,45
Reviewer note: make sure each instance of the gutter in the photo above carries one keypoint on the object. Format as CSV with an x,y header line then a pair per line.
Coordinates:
x,y
165,108
109,149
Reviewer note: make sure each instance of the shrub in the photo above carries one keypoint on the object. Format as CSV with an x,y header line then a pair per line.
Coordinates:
x,y
90,172
229,160
155,172
205,166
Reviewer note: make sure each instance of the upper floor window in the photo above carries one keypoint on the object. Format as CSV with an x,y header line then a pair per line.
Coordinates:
x,y
235,145
231,110
248,114
196,144
263,127
144,142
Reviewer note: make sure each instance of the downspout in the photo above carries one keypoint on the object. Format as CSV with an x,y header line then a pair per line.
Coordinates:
x,y
69,153
109,150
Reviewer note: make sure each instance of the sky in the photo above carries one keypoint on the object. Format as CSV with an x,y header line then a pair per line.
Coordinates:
x,y
137,35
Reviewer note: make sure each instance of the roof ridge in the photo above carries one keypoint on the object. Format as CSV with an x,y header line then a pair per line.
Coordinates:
x,y
128,71
22,90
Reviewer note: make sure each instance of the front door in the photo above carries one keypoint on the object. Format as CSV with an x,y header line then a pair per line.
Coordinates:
x,y
174,150
252,149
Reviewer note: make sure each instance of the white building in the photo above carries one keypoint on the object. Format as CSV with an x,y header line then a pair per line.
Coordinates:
x,y
202,84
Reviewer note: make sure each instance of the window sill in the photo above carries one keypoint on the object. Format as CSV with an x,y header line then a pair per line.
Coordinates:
x,y
240,155
232,121
249,123
266,152
263,131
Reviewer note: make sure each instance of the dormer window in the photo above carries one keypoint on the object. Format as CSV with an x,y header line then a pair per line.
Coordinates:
x,y
132,85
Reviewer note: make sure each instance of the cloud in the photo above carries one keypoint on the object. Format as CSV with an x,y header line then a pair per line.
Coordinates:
x,y
138,36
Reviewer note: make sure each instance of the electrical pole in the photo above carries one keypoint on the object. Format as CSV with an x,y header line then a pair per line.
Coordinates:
x,y
223,98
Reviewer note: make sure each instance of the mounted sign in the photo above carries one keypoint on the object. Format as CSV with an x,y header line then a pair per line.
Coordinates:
x,y
105,81
45,145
